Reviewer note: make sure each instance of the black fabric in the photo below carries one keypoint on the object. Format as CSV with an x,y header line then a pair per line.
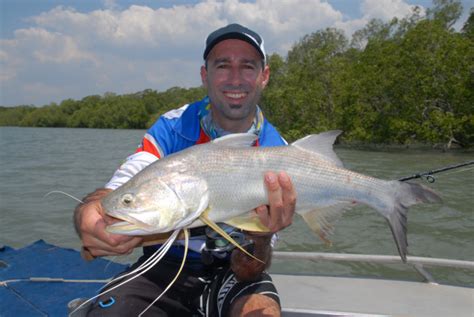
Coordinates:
x,y
133,297
197,292
225,289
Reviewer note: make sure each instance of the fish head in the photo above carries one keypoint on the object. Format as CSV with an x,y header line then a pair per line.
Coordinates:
x,y
156,205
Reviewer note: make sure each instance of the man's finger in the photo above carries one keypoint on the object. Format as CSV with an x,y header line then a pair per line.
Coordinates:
x,y
275,201
96,195
263,214
99,248
289,198
99,238
97,224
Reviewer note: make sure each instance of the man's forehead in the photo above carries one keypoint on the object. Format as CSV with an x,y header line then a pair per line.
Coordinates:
x,y
234,49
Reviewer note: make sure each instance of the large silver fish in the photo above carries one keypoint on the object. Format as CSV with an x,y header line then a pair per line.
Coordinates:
x,y
225,178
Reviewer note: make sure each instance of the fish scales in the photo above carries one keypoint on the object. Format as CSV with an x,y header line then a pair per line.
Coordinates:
x,y
315,181
225,177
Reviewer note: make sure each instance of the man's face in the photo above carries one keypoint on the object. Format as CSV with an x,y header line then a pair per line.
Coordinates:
x,y
234,79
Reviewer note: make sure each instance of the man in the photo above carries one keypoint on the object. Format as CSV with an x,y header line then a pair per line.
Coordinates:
x,y
219,283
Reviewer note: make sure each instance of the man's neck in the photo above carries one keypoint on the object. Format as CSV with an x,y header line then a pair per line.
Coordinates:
x,y
233,126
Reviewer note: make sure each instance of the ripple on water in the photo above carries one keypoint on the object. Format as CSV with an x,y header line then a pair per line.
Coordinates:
x,y
79,160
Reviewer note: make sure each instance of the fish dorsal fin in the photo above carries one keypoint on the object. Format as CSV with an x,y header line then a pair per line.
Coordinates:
x,y
236,140
321,144
248,222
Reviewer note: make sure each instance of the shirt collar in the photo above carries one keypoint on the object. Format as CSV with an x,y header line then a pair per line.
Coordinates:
x,y
214,131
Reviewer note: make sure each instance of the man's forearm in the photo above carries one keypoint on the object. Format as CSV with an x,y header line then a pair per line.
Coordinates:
x,y
247,268
262,248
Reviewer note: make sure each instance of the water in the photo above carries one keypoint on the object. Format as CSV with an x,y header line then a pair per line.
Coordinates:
x,y
35,161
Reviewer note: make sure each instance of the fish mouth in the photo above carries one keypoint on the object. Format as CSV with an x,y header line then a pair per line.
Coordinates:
x,y
125,228
128,225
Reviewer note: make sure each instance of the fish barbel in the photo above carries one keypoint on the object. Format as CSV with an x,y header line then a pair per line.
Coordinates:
x,y
225,179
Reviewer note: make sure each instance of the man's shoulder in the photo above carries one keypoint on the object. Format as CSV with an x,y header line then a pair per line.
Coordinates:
x,y
175,114
178,128
190,110
270,136
179,118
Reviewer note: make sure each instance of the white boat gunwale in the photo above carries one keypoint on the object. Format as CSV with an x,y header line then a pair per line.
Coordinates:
x,y
418,263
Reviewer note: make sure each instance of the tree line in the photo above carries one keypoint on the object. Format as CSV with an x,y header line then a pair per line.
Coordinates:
x,y
404,81
110,111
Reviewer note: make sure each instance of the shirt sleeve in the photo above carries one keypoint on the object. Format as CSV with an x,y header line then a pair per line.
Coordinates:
x,y
155,144
134,164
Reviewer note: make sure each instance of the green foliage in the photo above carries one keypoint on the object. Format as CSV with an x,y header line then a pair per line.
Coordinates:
x,y
306,85
445,12
50,116
468,28
11,116
409,80
133,111
402,82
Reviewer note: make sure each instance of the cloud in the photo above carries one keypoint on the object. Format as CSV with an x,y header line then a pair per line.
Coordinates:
x,y
385,9
45,46
187,26
73,54
111,4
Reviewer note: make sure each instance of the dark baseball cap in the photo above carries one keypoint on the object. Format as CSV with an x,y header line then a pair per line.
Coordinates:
x,y
235,31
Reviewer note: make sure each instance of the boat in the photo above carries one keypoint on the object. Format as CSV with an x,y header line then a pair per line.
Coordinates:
x,y
304,296
46,280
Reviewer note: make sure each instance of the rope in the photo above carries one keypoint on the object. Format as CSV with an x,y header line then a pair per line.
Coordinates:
x,y
52,280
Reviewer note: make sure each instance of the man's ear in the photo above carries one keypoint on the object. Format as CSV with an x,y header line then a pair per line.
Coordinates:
x,y
204,76
265,75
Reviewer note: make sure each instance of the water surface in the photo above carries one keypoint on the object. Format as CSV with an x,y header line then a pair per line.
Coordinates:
x,y
35,161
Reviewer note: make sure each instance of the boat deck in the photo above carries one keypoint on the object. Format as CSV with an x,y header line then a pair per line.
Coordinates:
x,y
41,279
341,296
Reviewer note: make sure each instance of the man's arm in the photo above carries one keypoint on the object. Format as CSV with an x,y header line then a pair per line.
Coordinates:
x,y
90,222
276,216
90,219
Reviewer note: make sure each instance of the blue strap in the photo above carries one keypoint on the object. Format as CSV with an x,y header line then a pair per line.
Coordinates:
x,y
107,303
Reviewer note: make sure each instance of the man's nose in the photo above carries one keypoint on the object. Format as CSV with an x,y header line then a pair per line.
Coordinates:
x,y
235,76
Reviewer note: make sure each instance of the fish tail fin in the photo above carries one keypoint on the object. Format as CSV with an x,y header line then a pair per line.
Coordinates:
x,y
406,195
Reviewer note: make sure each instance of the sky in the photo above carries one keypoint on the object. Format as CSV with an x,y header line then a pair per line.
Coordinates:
x,y
52,50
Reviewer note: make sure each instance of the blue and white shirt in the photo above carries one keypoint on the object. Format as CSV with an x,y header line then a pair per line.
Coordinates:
x,y
179,129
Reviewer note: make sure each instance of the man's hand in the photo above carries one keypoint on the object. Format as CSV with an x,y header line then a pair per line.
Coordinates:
x,y
278,214
90,221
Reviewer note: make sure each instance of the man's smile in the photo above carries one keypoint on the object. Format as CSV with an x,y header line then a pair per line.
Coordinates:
x,y
235,95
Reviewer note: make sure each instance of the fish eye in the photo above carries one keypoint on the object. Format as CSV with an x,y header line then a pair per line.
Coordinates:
x,y
127,199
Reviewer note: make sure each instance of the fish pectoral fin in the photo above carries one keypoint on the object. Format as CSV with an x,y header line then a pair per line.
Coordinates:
x,y
248,222
236,140
321,220
204,218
